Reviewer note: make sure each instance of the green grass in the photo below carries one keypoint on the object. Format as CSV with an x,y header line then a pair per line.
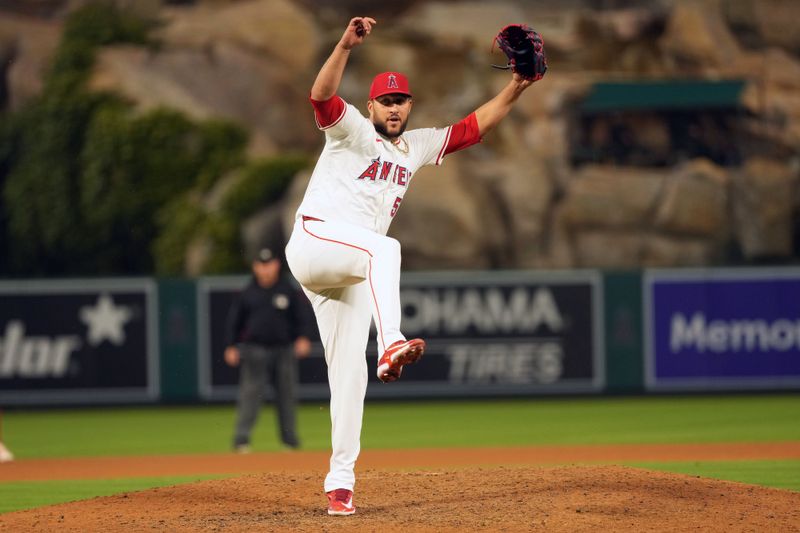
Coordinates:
x,y
778,474
540,421
207,429
144,431
633,420
19,495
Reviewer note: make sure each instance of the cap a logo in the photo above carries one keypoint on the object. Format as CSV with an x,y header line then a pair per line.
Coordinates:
x,y
392,82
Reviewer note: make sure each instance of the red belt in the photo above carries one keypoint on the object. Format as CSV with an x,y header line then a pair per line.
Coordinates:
x,y
306,217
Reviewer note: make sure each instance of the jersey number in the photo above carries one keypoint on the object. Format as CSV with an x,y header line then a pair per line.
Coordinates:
x,y
396,205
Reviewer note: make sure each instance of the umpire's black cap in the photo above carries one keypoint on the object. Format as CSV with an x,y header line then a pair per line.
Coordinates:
x,y
265,255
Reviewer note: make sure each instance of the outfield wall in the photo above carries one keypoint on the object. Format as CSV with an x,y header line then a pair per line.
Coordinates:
x,y
514,333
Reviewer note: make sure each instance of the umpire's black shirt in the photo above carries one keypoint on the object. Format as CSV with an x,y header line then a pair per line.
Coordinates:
x,y
273,316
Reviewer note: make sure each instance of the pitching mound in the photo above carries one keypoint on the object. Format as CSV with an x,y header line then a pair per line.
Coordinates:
x,y
574,498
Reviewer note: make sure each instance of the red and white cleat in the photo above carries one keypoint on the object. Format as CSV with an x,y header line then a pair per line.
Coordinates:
x,y
398,354
340,502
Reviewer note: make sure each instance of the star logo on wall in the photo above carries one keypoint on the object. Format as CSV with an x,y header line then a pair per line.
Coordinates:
x,y
105,321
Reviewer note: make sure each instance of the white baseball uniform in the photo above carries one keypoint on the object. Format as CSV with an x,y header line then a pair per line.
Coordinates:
x,y
340,254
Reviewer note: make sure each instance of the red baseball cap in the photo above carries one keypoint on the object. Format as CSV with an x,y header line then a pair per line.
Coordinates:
x,y
388,83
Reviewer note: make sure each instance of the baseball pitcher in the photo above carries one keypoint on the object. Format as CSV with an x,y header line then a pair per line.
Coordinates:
x,y
339,251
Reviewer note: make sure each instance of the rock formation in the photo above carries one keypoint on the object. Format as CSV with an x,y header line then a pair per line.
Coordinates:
x,y
518,200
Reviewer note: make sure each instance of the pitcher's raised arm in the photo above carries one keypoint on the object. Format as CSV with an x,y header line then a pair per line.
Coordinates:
x,y
330,75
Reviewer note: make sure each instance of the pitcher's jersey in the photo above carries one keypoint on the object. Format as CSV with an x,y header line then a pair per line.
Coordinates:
x,y
362,177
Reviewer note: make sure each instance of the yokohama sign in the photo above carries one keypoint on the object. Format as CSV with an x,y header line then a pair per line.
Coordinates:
x,y
505,333
487,334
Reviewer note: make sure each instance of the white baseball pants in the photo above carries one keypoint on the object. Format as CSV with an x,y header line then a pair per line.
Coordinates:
x,y
350,274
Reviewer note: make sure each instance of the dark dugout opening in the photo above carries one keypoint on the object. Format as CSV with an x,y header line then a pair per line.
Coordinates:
x,y
657,124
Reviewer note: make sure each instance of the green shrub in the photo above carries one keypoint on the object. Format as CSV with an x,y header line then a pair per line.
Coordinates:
x,y
88,28
179,221
256,185
40,193
86,182
222,233
45,230
102,23
222,145
261,183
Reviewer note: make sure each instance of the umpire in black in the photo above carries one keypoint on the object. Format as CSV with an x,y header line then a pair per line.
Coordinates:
x,y
268,329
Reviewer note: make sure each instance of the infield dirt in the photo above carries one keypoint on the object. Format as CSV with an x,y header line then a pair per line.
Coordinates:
x,y
407,491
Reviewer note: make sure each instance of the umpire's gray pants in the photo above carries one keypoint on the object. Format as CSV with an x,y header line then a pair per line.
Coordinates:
x,y
257,365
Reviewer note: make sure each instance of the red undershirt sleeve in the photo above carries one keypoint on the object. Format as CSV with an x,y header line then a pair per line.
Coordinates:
x,y
463,134
328,112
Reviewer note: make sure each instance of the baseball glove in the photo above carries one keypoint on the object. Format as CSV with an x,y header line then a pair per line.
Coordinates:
x,y
524,49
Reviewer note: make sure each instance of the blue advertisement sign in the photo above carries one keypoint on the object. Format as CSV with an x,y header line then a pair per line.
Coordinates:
x,y
722,329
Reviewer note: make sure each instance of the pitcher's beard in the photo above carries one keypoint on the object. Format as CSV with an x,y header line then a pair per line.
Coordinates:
x,y
381,128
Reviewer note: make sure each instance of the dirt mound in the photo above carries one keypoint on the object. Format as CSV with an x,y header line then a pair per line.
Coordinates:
x,y
571,498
